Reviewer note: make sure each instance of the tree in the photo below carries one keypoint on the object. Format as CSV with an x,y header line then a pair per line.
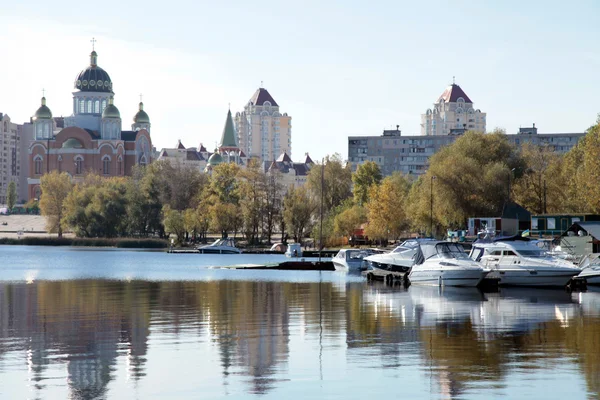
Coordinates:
x,y
55,188
347,221
337,182
299,209
11,195
273,203
366,175
225,218
144,205
386,208
253,194
174,222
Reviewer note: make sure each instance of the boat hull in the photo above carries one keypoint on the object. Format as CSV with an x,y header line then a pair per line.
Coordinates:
x,y
533,278
458,277
218,251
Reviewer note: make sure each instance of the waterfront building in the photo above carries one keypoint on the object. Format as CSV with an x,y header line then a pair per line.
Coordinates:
x,y
263,132
193,157
558,142
10,156
290,174
92,140
452,113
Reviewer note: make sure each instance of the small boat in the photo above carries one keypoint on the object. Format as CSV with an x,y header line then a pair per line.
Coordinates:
x,y
590,269
351,260
294,250
517,262
445,264
398,260
221,246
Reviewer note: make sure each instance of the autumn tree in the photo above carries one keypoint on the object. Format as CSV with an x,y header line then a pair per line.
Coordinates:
x,y
55,188
252,200
350,219
386,209
11,195
336,183
174,223
144,205
273,203
299,208
366,175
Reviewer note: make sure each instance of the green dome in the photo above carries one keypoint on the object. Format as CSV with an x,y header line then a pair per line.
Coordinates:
x,y
72,143
141,117
215,159
43,112
111,111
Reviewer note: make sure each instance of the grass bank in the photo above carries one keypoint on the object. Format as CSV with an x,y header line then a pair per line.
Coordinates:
x,y
124,243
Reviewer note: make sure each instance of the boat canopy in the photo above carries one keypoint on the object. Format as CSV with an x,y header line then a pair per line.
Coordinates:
x,y
431,249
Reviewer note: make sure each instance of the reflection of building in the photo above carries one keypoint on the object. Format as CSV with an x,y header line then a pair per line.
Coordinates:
x,y
92,140
263,132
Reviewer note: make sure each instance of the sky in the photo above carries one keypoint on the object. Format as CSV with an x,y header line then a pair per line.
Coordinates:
x,y
338,68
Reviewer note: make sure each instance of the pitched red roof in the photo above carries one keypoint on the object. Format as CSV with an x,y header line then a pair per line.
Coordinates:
x,y
260,96
452,93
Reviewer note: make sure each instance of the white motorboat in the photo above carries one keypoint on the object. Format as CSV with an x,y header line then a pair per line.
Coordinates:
x,y
221,246
351,260
398,260
520,263
445,264
590,269
294,250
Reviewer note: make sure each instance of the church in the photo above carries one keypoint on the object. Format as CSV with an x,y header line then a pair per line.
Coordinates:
x,y
92,139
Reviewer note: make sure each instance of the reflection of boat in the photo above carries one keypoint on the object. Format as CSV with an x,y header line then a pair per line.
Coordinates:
x,y
590,269
350,259
398,260
221,246
520,263
294,250
444,263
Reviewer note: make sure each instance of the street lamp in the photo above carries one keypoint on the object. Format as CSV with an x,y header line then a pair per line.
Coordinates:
x,y
431,206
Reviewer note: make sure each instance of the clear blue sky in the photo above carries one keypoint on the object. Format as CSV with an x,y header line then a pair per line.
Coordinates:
x,y
339,68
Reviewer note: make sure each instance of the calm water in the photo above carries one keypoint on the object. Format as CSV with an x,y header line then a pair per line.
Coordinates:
x,y
86,324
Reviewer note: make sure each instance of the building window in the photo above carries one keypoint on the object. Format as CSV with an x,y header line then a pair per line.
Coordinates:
x,y
59,164
38,165
106,166
119,166
78,165
143,161
103,105
81,106
89,106
97,106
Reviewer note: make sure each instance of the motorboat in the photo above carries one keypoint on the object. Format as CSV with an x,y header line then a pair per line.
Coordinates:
x,y
294,250
398,260
590,269
445,264
351,260
521,263
221,246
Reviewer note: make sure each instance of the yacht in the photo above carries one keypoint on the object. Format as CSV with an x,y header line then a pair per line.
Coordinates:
x,y
351,260
590,269
398,260
445,264
221,246
520,263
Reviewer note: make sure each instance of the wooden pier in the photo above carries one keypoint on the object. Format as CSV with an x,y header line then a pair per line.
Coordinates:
x,y
287,266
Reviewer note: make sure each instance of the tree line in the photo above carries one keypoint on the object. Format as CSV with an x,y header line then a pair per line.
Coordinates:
x,y
475,176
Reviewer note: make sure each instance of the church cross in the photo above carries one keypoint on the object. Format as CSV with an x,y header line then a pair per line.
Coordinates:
x,y
93,43
43,92
140,97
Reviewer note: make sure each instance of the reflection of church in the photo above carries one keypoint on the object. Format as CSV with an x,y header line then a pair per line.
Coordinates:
x,y
91,140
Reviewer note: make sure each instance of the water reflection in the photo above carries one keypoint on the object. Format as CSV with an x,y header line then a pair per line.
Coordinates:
x,y
80,338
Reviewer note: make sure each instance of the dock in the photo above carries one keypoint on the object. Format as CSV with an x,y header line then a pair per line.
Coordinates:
x,y
389,277
287,266
307,253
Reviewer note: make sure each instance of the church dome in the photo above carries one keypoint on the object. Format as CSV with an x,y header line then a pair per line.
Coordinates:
x,y
111,111
215,158
43,112
93,78
141,117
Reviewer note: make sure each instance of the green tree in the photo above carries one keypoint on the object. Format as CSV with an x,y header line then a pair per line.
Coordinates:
x,y
350,219
225,218
11,197
299,209
336,185
273,203
252,201
386,209
366,175
174,223
55,188
144,205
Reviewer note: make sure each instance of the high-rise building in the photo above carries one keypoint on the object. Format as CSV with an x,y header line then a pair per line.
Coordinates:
x,y
263,131
10,160
452,113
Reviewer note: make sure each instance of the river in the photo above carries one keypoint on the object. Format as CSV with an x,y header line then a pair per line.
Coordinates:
x,y
121,324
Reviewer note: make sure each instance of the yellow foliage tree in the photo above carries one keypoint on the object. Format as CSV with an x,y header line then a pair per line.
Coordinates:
x,y
55,187
386,209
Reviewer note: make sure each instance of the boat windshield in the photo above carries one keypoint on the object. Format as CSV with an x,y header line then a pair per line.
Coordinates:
x,y
533,253
406,245
451,250
356,254
223,242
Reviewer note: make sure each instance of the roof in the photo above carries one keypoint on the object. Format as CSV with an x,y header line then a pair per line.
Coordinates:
x,y
93,134
260,96
93,78
592,228
452,93
228,138
515,211
308,160
180,145
284,158
128,136
201,148
193,155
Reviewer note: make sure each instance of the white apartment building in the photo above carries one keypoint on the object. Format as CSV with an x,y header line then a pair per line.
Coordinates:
x,y
10,156
452,113
263,131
